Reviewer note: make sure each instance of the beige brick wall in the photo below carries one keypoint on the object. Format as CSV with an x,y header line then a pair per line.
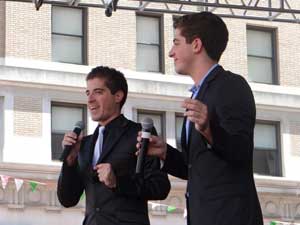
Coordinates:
x,y
28,116
28,32
289,54
112,40
2,28
235,56
168,42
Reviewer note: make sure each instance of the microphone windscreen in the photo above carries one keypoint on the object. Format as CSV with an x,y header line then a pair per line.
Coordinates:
x,y
147,124
80,125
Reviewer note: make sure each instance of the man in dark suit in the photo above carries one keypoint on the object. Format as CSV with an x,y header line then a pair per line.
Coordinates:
x,y
217,133
103,164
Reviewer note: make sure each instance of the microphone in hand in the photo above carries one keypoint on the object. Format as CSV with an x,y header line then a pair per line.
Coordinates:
x,y
79,126
147,125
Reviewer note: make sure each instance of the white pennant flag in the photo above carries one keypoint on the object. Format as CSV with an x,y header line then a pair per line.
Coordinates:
x,y
18,183
154,205
4,180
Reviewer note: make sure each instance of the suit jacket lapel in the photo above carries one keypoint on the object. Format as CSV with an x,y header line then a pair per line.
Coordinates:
x,y
207,81
114,134
200,97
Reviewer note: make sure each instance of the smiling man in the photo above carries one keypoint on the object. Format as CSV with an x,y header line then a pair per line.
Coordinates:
x,y
103,164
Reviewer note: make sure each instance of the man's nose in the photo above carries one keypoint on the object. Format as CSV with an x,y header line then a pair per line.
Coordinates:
x,y
171,53
90,98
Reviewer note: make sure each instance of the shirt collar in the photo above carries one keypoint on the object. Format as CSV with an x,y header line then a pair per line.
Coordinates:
x,y
196,87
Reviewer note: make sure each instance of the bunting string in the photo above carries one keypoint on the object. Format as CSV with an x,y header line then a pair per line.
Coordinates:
x,y
19,182
34,184
169,208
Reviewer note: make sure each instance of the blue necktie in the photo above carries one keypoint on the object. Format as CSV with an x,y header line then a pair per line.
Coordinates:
x,y
187,123
98,146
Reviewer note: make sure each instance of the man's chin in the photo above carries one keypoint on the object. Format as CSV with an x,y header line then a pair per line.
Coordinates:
x,y
180,72
96,119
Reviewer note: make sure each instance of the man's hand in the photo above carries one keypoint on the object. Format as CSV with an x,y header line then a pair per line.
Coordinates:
x,y
157,147
197,113
70,138
106,174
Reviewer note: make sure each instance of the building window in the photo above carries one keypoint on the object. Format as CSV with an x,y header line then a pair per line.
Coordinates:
x,y
149,52
266,156
158,120
63,118
178,126
261,50
68,40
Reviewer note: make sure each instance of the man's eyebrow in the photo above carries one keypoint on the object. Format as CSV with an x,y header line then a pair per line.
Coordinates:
x,y
96,89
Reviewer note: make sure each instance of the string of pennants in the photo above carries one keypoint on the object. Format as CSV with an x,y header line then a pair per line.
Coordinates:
x,y
19,182
169,208
33,185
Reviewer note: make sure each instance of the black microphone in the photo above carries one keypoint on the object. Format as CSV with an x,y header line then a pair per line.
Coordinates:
x,y
147,125
67,149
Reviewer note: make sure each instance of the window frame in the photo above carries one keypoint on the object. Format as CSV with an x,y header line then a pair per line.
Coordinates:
x,y
161,44
83,36
274,60
71,105
278,164
154,112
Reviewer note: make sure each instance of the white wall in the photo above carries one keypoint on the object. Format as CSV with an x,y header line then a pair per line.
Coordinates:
x,y
38,216
1,125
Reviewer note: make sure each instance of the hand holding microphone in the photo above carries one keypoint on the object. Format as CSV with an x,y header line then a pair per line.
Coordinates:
x,y
147,125
148,145
71,143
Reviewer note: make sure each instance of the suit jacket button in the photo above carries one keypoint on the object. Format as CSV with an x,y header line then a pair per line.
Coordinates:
x,y
190,166
97,209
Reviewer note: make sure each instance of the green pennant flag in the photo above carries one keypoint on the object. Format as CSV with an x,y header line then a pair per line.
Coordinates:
x,y
82,196
33,185
273,223
171,208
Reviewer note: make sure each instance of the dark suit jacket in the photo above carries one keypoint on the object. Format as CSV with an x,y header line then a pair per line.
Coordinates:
x,y
126,204
220,188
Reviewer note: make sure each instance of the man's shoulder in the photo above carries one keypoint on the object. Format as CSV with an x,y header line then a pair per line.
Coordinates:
x,y
229,75
134,124
226,78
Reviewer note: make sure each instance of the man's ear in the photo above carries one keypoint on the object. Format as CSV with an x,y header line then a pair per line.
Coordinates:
x,y
197,45
119,95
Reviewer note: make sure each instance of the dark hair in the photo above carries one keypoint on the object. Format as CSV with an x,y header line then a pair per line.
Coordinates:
x,y
114,80
207,26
